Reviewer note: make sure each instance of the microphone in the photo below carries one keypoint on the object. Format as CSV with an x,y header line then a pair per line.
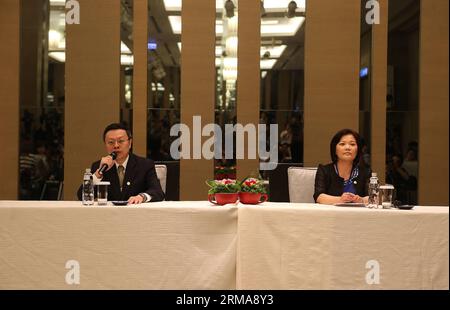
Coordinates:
x,y
105,166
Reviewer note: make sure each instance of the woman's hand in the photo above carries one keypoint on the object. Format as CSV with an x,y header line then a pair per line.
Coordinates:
x,y
349,197
358,199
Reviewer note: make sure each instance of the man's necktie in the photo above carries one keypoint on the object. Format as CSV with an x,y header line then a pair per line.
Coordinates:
x,y
121,174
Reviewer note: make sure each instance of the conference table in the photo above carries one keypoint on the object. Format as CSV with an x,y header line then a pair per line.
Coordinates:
x,y
196,245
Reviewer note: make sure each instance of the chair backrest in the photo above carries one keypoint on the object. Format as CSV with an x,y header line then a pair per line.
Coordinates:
x,y
301,184
172,179
52,190
161,173
278,182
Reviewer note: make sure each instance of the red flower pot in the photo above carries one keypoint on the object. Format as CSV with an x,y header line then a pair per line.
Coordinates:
x,y
223,198
252,198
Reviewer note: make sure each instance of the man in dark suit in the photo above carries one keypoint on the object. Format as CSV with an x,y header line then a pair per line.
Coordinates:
x,y
131,177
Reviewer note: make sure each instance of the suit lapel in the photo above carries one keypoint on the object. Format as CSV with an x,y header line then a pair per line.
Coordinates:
x,y
114,179
130,171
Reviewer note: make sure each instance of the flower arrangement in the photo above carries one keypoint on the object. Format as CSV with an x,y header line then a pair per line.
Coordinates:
x,y
252,185
225,186
227,191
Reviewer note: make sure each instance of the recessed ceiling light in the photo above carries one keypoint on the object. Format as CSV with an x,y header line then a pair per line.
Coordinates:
x,y
175,23
269,5
58,2
58,56
287,28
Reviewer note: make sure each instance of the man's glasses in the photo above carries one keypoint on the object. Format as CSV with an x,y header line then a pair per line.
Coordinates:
x,y
113,142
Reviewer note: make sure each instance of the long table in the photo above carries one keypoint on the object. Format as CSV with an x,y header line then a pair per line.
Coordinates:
x,y
176,245
326,247
194,245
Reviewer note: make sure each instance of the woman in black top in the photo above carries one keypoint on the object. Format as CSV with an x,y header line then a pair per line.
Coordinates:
x,y
343,180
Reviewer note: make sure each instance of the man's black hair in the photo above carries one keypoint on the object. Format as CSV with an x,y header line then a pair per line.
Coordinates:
x,y
115,126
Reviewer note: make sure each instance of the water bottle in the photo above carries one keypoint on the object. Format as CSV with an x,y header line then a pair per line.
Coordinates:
x,y
88,188
374,188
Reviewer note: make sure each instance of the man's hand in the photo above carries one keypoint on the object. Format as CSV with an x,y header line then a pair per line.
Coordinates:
x,y
107,160
136,199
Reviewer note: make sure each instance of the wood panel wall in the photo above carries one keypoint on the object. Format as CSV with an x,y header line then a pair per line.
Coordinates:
x,y
140,88
332,56
433,103
9,96
249,79
92,87
198,78
379,91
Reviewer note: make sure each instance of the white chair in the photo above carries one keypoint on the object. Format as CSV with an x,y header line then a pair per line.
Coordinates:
x,y
301,184
161,173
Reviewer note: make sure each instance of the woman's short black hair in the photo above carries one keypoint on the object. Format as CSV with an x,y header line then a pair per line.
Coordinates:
x,y
115,126
337,137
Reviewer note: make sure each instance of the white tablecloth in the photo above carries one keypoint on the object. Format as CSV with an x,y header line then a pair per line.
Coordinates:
x,y
194,245
301,246
168,245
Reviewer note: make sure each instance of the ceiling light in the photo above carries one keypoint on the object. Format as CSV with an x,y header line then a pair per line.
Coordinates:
x,y
288,27
230,62
58,56
270,6
55,40
232,25
231,46
230,74
267,64
126,60
61,57
270,22
124,48
272,51
57,2
175,23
